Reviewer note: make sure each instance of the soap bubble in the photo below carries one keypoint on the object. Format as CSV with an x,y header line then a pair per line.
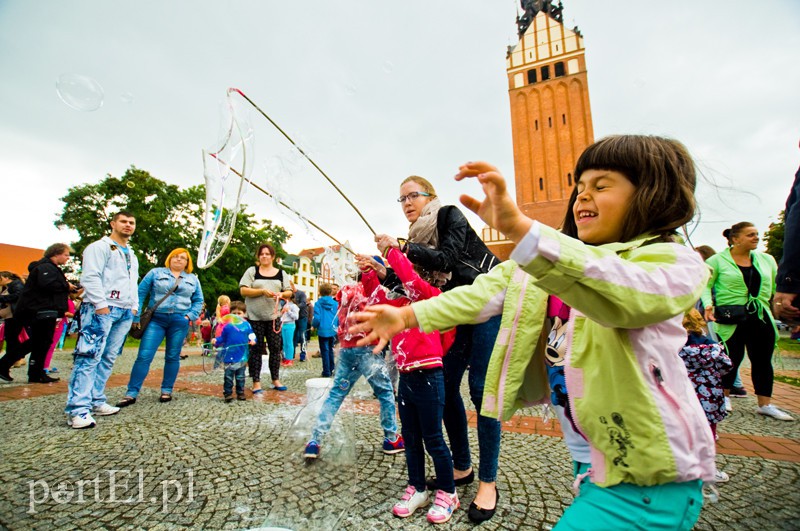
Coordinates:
x,y
388,67
82,93
130,184
126,97
304,491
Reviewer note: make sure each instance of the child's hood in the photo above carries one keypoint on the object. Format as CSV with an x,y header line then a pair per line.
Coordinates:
x,y
326,303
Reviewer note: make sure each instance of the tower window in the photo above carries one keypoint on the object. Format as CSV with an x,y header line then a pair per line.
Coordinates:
x,y
569,179
541,184
545,73
564,119
536,124
550,121
559,69
532,76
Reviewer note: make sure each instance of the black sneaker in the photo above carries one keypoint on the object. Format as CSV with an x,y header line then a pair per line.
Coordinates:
x,y
44,378
228,398
738,392
6,376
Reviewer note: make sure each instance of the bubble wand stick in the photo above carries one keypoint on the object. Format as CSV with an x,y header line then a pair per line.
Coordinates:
x,y
251,102
287,207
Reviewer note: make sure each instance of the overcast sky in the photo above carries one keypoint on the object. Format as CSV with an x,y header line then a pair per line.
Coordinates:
x,y
376,91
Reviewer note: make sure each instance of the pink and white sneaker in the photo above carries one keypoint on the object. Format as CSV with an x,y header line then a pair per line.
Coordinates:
x,y
443,507
410,502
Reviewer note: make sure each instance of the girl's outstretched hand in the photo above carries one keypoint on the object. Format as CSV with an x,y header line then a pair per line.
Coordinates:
x,y
381,323
498,208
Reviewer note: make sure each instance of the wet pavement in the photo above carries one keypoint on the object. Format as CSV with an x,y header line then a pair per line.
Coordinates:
x,y
198,463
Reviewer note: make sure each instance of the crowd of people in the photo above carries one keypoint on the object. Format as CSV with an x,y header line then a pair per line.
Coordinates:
x,y
632,339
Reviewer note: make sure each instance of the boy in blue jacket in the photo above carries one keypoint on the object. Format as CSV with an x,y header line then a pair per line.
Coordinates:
x,y
326,324
232,347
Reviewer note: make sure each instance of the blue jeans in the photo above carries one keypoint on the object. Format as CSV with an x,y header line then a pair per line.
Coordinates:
x,y
326,353
100,341
287,333
174,327
353,364
300,336
230,374
472,348
421,406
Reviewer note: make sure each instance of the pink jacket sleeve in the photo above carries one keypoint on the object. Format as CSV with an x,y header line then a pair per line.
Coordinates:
x,y
419,289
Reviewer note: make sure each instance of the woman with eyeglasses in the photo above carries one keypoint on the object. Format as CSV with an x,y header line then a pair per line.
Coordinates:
x,y
448,253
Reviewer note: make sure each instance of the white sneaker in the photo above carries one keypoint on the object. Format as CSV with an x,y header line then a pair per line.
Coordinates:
x,y
410,502
443,508
771,411
721,477
80,422
728,406
105,409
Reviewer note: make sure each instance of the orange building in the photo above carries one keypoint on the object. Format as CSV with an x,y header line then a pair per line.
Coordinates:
x,y
551,120
15,258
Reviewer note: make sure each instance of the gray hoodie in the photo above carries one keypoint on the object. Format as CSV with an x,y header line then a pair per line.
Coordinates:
x,y
106,277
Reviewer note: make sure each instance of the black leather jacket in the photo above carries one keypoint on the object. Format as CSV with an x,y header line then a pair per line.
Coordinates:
x,y
460,252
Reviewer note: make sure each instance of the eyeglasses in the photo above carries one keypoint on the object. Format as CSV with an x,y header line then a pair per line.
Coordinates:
x,y
411,196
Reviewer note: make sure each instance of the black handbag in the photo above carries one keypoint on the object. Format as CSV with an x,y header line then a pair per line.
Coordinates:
x,y
734,314
137,329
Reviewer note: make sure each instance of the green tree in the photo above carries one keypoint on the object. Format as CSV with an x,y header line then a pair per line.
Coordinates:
x,y
774,237
167,217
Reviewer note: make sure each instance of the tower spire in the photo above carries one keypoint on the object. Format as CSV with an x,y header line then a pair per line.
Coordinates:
x,y
532,7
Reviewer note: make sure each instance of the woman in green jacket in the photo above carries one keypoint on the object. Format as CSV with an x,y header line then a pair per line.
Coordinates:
x,y
744,278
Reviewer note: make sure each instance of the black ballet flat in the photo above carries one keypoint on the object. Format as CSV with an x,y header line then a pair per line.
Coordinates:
x,y
460,482
126,401
478,515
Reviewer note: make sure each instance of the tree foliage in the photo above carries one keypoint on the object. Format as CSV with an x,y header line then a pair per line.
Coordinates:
x,y
167,217
774,237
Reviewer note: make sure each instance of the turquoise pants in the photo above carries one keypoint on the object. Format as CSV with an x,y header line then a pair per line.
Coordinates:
x,y
287,333
672,506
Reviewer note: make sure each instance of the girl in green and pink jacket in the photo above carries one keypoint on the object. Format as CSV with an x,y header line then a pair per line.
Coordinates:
x,y
592,324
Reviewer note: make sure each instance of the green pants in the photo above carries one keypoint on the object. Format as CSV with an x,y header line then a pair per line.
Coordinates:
x,y
672,506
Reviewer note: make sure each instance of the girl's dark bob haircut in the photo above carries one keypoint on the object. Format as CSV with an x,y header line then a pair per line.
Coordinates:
x,y
663,173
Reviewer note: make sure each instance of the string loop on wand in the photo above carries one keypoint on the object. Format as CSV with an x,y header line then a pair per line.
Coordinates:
x,y
290,209
265,115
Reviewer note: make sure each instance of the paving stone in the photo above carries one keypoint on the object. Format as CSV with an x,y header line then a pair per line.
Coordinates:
x,y
241,469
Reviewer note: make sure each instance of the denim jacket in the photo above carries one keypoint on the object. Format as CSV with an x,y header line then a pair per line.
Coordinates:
x,y
187,299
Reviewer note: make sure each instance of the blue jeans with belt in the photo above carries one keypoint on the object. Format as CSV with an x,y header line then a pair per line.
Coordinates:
x,y
173,327
472,349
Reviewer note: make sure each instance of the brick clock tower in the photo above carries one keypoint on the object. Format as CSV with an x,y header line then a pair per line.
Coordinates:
x,y
551,120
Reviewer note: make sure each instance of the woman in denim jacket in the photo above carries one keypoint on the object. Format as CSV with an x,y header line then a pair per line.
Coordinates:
x,y
171,320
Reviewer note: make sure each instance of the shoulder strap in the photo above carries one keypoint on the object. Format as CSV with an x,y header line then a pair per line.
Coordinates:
x,y
167,294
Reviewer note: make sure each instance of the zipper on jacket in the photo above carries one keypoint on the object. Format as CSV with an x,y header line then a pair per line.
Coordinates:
x,y
659,378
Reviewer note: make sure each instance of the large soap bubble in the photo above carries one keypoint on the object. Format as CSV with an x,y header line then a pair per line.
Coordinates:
x,y
82,93
316,494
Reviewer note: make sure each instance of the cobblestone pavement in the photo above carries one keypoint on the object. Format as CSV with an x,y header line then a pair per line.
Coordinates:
x,y
198,463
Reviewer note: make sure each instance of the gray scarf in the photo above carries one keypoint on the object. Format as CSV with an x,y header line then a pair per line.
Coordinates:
x,y
423,231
